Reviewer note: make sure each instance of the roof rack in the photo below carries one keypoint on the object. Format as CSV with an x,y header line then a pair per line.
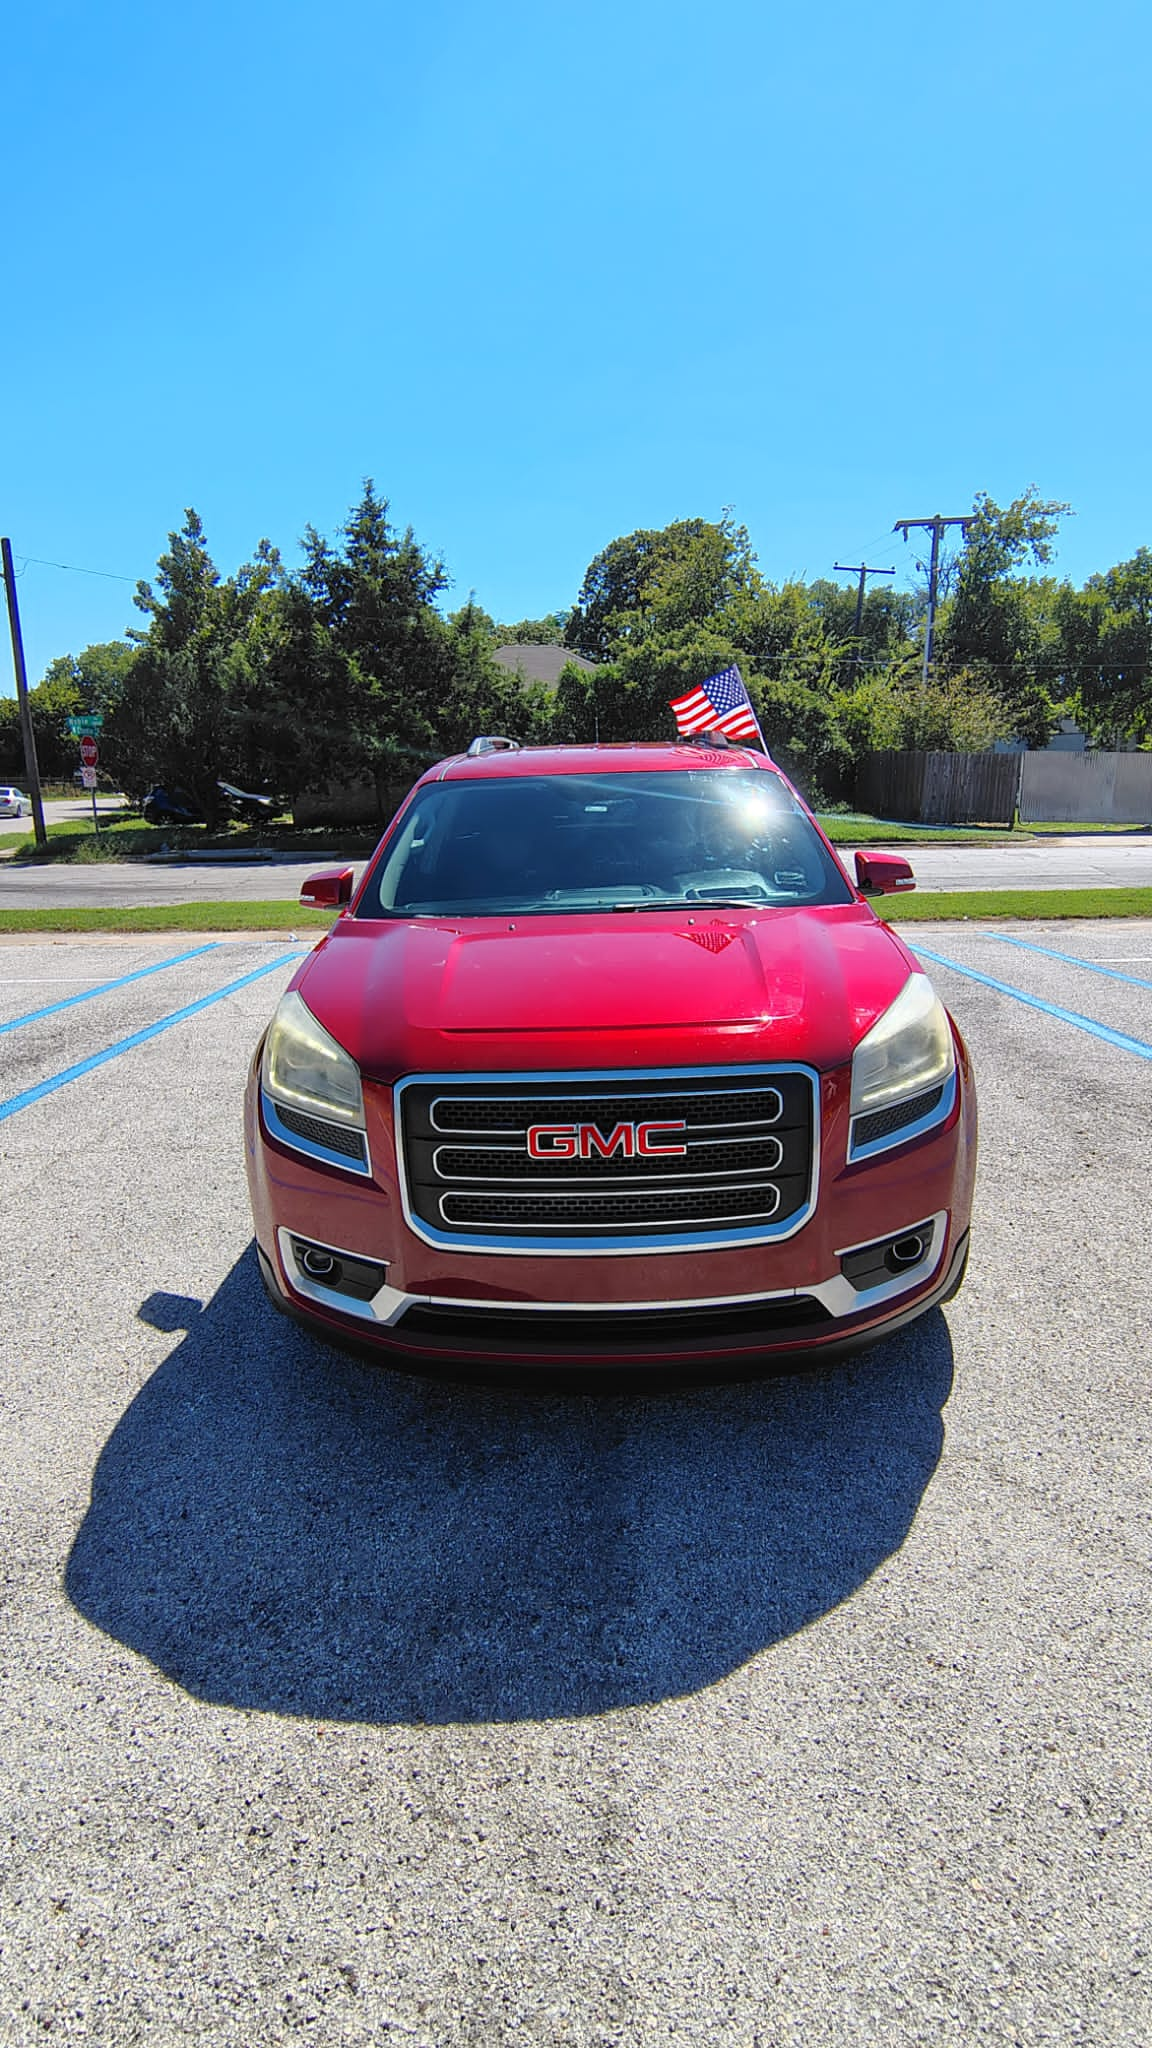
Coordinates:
x,y
492,743
721,739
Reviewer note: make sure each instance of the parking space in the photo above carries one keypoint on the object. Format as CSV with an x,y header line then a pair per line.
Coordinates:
x,y
343,1705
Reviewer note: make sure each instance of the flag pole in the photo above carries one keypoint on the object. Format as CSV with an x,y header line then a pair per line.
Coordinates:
x,y
752,710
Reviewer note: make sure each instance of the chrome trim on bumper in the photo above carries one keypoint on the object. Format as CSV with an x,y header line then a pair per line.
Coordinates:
x,y
836,1294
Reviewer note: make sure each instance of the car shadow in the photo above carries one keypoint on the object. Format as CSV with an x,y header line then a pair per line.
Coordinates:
x,y
279,1527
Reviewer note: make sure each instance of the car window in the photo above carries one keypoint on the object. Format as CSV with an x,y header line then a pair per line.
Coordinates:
x,y
531,845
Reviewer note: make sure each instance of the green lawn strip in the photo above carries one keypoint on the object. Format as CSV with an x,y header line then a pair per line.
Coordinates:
x,y
1024,903
72,842
167,917
932,906
1059,831
859,830
72,839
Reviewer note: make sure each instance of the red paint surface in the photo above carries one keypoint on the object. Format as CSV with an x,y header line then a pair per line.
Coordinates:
x,y
641,990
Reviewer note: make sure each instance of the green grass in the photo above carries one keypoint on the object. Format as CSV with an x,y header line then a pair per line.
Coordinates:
x,y
73,841
951,905
68,837
169,917
858,829
1025,903
1054,830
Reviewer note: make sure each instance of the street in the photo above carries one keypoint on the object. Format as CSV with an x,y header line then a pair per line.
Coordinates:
x,y
1094,860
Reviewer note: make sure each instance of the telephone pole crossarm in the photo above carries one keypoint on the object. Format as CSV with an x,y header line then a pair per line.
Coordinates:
x,y
937,526
859,569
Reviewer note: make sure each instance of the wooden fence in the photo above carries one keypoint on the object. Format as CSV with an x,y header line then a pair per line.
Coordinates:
x,y
939,789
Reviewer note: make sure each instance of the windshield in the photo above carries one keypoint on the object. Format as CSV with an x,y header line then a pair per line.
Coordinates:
x,y
527,845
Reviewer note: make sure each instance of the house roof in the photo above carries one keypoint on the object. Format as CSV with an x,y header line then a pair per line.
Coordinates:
x,y
539,663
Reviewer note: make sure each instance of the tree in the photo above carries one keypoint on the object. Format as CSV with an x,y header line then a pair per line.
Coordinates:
x,y
891,708
1000,627
546,632
888,626
11,741
89,681
359,677
97,674
1106,650
658,580
175,719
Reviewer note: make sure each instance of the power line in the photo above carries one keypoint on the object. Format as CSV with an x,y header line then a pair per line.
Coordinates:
x,y
75,569
873,541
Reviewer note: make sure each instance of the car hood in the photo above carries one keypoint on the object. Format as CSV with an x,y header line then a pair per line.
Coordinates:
x,y
653,989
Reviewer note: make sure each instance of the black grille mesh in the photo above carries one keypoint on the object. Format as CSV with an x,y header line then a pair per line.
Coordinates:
x,y
333,1137
506,1333
747,1157
883,1123
686,1205
763,1156
759,1106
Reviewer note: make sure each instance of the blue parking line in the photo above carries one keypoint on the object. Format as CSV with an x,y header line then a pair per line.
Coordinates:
x,y
1072,959
68,1002
113,1052
1005,988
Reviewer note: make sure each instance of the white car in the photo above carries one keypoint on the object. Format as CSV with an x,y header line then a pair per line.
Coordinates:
x,y
13,803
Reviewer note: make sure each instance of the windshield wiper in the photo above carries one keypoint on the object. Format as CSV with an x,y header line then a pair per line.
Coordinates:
x,y
699,903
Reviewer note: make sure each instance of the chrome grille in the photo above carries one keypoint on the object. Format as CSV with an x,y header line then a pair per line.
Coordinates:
x,y
742,1168
706,1159
459,1114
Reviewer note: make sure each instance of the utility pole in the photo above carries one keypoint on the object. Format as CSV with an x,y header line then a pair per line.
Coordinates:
x,y
30,763
859,569
935,526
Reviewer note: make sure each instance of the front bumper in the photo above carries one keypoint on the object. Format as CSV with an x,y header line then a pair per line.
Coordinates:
x,y
449,1332
814,1293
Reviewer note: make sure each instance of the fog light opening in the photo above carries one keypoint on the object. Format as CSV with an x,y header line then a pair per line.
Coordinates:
x,y
318,1263
905,1251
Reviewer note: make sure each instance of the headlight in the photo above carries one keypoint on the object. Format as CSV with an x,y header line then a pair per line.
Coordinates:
x,y
303,1067
908,1049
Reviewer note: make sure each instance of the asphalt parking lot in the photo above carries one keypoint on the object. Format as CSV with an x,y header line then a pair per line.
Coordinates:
x,y
349,1707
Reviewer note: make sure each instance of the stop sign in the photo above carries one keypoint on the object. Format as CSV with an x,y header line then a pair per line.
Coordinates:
x,y
89,753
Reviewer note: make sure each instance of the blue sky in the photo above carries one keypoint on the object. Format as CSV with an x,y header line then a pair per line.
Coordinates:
x,y
552,273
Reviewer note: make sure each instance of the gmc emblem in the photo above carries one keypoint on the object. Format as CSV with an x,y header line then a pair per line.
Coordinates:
x,y
587,1141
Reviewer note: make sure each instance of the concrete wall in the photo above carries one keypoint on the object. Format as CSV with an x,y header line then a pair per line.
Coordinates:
x,y
1086,789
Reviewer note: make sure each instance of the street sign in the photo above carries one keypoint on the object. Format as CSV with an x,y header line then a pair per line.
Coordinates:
x,y
86,724
89,775
89,753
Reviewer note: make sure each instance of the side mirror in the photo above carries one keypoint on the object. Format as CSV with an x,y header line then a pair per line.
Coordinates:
x,y
882,874
329,890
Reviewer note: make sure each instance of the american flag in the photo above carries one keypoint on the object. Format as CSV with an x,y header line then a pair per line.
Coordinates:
x,y
720,704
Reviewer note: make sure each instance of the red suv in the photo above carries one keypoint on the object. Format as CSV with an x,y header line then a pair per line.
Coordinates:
x,y
606,1060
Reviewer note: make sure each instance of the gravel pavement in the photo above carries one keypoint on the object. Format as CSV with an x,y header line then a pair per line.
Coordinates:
x,y
1094,860
347,1707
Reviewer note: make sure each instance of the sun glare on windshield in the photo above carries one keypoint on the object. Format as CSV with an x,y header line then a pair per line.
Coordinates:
x,y
531,845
